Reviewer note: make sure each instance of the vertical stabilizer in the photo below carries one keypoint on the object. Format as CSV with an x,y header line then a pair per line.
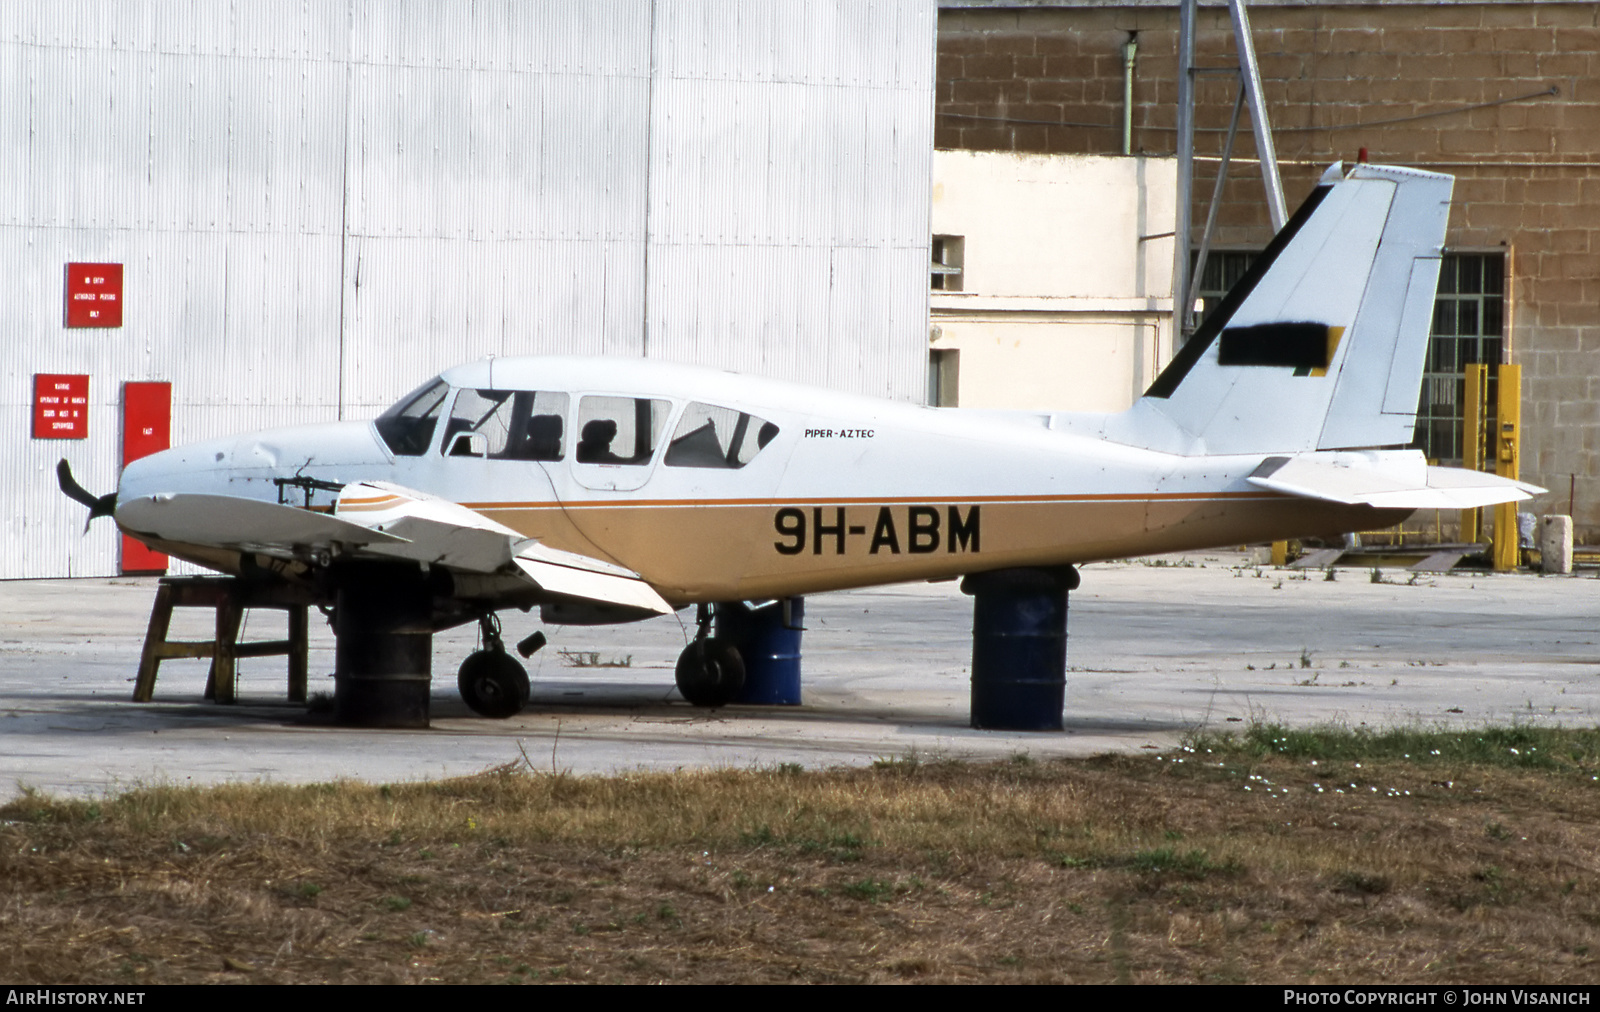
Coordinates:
x,y
1321,344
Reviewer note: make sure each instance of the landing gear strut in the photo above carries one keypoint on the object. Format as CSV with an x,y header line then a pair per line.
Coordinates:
x,y
710,670
492,682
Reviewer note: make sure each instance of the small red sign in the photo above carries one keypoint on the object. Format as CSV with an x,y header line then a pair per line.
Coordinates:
x,y
146,429
146,420
60,406
94,295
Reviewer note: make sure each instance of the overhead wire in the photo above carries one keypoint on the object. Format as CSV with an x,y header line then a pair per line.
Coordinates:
x,y
1551,91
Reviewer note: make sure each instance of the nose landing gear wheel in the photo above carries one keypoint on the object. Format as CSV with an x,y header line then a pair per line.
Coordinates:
x,y
493,684
710,672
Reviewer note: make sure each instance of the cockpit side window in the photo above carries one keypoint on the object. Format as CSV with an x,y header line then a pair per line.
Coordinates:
x,y
712,436
620,430
506,425
408,427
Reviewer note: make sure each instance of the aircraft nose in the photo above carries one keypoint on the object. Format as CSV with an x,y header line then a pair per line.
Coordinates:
x,y
246,465
181,469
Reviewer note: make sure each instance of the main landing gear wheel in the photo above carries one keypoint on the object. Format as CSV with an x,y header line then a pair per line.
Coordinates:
x,y
710,672
494,684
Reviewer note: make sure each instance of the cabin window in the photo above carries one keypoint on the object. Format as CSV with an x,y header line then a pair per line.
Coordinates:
x,y
408,427
620,430
709,436
506,425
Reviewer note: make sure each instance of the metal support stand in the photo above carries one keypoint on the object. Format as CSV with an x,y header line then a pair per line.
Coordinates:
x,y
1184,281
768,639
383,663
1019,647
230,597
1250,88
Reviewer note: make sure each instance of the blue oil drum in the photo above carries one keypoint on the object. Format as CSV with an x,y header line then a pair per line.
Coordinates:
x,y
1019,647
769,642
383,652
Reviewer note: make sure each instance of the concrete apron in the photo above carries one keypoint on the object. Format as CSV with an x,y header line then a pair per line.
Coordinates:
x,y
1156,649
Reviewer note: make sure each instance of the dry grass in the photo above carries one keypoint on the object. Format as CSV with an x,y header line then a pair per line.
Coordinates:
x,y
1473,865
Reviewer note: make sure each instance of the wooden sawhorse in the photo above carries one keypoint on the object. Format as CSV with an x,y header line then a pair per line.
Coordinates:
x,y
230,597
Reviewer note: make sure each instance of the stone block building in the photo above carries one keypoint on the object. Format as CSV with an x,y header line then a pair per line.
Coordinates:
x,y
1503,94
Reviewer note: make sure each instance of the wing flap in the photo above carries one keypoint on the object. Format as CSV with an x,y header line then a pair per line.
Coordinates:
x,y
429,529
448,534
585,583
1387,484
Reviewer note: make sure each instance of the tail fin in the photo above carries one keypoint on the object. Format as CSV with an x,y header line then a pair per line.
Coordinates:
x,y
1321,345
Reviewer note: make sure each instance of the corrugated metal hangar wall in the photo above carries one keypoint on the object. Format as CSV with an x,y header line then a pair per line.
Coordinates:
x,y
316,205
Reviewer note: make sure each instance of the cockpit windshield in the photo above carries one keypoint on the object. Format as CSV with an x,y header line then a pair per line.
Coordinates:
x,y
408,426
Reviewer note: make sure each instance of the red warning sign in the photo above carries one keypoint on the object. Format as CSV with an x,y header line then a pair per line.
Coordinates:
x,y
94,295
60,406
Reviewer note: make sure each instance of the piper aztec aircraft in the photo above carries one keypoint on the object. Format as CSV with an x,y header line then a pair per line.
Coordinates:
x,y
604,490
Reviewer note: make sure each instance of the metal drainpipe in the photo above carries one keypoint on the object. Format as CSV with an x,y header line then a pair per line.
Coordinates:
x,y
1130,52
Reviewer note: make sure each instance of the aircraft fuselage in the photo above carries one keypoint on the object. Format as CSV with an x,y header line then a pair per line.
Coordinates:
x,y
848,491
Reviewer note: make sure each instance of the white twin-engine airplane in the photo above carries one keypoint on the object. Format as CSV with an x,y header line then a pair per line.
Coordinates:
x,y
608,490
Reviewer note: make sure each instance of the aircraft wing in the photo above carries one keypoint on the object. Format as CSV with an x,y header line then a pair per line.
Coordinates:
x,y
440,532
427,529
382,520
1409,484
247,525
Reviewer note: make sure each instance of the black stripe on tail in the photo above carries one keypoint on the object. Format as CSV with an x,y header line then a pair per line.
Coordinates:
x,y
1218,318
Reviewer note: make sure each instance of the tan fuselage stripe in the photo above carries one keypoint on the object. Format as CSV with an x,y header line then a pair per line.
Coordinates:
x,y
711,550
697,550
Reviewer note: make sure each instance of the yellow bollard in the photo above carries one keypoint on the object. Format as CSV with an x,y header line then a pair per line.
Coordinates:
x,y
1475,401
1508,445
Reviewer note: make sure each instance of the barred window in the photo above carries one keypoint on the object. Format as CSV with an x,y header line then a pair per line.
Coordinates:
x,y
1468,327
1224,268
949,255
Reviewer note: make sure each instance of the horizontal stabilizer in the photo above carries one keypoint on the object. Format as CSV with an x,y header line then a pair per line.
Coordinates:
x,y
1387,482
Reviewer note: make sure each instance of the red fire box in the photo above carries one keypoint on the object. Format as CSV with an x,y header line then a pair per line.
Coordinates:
x,y
94,295
60,406
146,429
